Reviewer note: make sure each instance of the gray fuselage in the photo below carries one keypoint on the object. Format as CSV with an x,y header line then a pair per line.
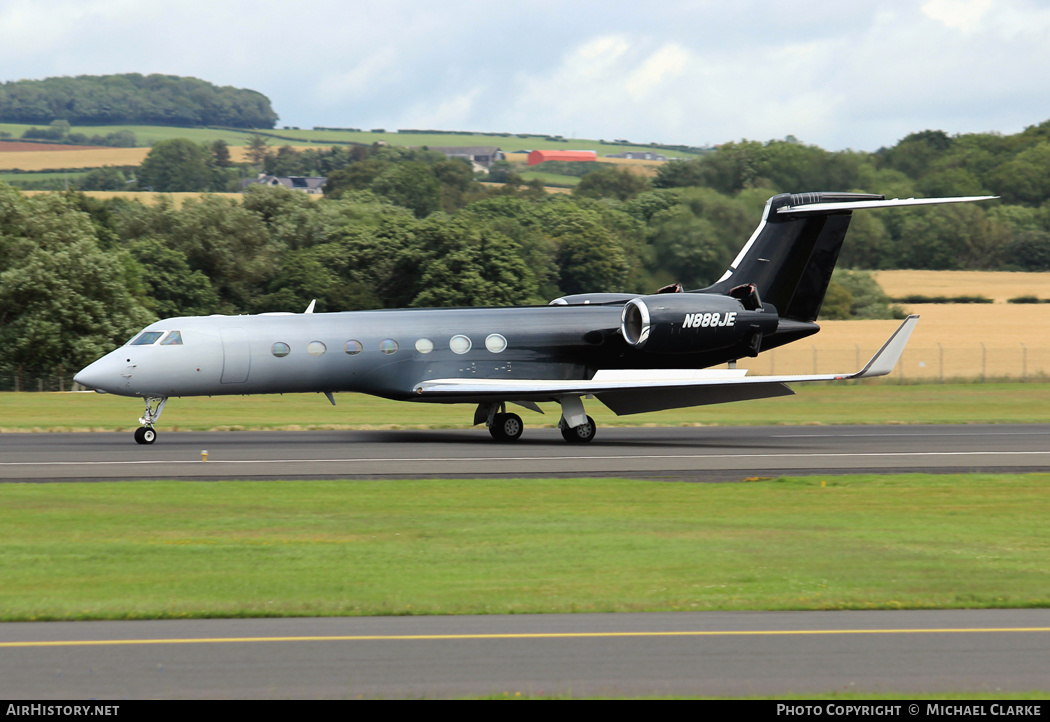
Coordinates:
x,y
385,353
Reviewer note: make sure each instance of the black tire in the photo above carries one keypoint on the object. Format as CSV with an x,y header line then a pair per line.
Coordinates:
x,y
145,435
581,434
506,427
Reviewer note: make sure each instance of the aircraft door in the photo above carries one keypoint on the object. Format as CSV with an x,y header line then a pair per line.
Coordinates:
x,y
236,356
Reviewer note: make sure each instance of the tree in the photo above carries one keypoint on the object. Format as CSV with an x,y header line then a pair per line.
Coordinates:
x,y
486,270
103,179
618,183
220,152
257,150
180,165
227,243
286,162
63,301
1030,251
589,258
856,294
412,185
174,288
915,154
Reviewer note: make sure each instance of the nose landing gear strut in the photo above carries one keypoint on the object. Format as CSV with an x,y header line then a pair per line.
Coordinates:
x,y
146,434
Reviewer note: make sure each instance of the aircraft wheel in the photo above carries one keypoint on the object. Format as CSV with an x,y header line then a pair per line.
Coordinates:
x,y
506,427
582,434
145,435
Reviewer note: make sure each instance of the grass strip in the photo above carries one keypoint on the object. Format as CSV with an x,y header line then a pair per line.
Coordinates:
x,y
127,550
847,403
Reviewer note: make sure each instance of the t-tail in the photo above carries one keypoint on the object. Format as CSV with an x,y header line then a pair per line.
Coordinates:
x,y
791,255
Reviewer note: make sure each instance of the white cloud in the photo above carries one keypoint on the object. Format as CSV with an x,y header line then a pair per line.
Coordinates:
x,y
964,15
333,88
665,65
681,71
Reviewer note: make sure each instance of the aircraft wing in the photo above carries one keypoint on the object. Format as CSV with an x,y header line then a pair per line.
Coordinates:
x,y
637,391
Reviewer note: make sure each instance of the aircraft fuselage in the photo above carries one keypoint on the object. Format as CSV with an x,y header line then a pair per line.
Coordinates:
x,y
387,353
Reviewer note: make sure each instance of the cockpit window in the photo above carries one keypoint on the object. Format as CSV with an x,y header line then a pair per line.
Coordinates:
x,y
174,338
146,338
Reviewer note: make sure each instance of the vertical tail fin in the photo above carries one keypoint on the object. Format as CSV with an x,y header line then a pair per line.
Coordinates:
x,y
790,256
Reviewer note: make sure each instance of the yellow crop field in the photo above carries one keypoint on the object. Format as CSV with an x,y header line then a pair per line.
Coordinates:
x,y
177,198
1000,286
39,160
647,168
951,341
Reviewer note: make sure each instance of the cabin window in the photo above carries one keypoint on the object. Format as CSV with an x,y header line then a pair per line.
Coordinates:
x,y
352,347
388,346
147,338
281,349
424,345
459,344
316,348
174,338
495,343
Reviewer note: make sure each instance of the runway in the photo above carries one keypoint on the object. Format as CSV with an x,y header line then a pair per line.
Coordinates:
x,y
689,454
696,654
709,654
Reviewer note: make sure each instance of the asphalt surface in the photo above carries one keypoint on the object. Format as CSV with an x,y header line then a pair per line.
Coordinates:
x,y
692,454
716,654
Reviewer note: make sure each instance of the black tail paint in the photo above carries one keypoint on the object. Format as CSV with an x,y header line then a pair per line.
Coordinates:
x,y
790,257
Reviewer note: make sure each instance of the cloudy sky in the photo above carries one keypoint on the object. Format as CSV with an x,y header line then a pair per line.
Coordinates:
x,y
834,74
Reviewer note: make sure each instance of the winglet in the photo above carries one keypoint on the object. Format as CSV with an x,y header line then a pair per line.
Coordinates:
x,y
886,358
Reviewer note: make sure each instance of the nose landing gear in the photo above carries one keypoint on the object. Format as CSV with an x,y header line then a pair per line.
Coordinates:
x,y
146,434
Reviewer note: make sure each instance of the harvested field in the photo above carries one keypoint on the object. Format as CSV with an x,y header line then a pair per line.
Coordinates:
x,y
17,146
90,157
647,168
999,286
37,160
951,341
177,198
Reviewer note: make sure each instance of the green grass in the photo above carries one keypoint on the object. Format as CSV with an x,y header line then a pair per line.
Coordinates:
x,y
145,135
844,403
19,179
551,179
231,549
148,134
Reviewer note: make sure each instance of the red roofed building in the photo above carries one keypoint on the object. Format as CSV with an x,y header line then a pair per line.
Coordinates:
x,y
542,156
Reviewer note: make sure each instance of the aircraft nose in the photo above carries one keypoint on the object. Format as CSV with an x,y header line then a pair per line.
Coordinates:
x,y
102,375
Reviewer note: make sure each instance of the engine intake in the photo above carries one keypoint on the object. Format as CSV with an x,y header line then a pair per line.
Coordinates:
x,y
690,323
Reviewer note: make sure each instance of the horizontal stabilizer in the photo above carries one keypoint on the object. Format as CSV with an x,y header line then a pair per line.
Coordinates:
x,y
862,204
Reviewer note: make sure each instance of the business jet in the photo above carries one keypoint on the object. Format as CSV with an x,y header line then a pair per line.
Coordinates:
x,y
633,352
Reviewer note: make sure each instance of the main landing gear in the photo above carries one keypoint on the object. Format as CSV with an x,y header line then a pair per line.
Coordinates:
x,y
575,426
579,434
146,434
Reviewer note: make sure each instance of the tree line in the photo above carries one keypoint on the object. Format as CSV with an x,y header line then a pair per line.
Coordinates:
x,y
133,99
409,227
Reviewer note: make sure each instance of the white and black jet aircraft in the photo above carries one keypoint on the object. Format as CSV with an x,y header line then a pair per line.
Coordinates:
x,y
633,352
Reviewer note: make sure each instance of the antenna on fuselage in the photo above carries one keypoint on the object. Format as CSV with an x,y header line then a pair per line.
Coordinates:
x,y
310,308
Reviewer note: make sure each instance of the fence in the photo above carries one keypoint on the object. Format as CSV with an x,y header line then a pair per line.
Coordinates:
x,y
22,382
936,364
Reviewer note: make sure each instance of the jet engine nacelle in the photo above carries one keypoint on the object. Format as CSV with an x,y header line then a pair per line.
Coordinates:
x,y
691,322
